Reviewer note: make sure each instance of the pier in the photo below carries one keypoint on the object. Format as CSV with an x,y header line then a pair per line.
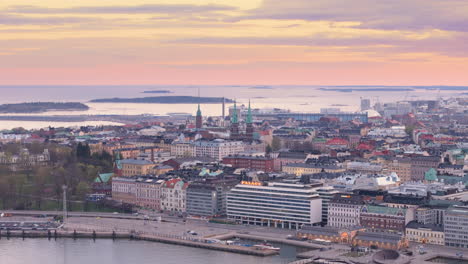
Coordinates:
x,y
155,237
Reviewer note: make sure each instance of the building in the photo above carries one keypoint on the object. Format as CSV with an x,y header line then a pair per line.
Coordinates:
x,y
259,163
208,197
328,233
383,218
421,164
402,167
425,234
365,104
102,184
198,119
456,227
218,148
133,167
183,149
235,133
344,210
173,195
299,169
124,190
326,193
381,240
274,204
364,167
148,193
283,158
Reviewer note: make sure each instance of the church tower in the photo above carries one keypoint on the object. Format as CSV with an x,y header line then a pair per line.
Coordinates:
x,y
199,121
235,124
249,130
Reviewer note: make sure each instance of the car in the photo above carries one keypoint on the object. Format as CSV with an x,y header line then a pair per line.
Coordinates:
x,y
115,213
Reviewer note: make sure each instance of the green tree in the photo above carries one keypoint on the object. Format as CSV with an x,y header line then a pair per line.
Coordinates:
x,y
276,144
82,189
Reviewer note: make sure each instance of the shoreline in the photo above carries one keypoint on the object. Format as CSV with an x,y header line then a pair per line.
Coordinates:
x,y
159,238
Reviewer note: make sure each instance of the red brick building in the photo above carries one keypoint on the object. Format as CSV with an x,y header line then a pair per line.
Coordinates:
x,y
383,218
262,163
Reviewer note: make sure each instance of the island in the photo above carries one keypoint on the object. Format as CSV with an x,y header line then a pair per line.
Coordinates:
x,y
372,89
41,107
158,91
165,100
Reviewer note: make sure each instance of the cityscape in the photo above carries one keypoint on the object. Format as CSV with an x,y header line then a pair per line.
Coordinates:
x,y
298,132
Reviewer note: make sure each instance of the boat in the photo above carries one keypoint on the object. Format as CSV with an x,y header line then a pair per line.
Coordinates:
x,y
266,246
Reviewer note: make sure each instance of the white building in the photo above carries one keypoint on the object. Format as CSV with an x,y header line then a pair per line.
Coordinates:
x,y
173,195
218,148
274,204
183,149
344,210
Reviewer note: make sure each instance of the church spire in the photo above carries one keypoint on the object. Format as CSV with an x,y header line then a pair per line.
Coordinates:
x,y
249,115
199,111
234,114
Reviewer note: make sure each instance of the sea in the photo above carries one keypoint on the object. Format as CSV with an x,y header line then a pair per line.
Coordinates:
x,y
121,251
293,98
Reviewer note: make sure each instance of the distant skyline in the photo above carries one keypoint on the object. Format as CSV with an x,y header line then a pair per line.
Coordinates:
x,y
245,42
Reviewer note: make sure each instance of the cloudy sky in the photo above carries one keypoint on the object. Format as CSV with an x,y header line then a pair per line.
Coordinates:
x,y
315,42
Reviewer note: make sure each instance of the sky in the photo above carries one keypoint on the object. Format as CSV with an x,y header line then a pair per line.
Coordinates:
x,y
250,42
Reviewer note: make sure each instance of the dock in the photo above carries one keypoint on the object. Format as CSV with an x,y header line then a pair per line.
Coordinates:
x,y
155,237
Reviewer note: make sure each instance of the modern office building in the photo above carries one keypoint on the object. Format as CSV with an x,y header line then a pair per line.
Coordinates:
x,y
208,197
326,193
274,204
456,227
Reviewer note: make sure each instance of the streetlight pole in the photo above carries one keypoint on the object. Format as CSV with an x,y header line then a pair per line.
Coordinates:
x,y
64,188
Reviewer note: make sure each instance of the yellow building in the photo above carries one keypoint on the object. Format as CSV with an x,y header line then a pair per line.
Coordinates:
x,y
425,234
136,167
300,169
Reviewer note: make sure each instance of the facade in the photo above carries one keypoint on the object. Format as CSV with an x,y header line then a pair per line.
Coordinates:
x,y
299,169
274,204
208,197
383,218
284,158
134,167
380,240
425,234
259,163
148,193
402,167
421,164
332,234
183,149
124,190
344,210
198,119
456,227
326,193
218,148
173,195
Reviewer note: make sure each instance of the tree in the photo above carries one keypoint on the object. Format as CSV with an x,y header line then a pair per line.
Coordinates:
x,y
82,189
268,149
276,144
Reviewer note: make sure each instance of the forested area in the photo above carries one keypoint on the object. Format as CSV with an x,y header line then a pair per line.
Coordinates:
x,y
39,186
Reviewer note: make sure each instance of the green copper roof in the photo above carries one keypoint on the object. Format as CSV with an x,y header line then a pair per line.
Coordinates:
x,y
104,177
383,210
234,115
198,111
249,115
430,175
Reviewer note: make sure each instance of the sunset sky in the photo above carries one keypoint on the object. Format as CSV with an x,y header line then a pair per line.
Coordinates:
x,y
312,42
